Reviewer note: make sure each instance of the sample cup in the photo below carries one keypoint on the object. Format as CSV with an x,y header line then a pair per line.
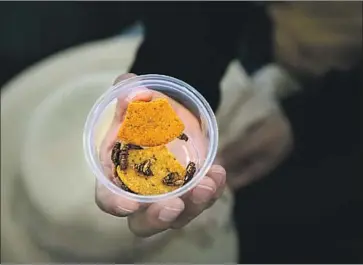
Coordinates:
x,y
200,126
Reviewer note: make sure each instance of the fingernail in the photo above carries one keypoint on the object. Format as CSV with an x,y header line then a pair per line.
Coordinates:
x,y
136,92
217,169
202,194
122,211
169,214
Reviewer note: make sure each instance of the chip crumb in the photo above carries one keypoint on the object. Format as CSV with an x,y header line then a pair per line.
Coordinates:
x,y
150,124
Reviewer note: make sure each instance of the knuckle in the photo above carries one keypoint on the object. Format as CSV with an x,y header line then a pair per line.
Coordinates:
x,y
209,182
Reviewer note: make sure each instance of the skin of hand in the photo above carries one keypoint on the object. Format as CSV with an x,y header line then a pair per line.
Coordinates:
x,y
258,150
146,220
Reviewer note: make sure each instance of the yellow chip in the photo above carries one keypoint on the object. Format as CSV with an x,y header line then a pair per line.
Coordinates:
x,y
151,123
162,163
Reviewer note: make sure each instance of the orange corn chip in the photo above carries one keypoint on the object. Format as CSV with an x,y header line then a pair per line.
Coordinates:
x,y
162,163
150,123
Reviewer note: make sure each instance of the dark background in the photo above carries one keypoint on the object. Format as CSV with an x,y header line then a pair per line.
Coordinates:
x,y
30,31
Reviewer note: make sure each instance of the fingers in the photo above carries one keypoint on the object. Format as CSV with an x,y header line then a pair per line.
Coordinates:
x,y
175,212
218,175
114,204
203,196
156,218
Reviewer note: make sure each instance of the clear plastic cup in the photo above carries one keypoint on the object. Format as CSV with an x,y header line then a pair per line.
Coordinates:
x,y
201,148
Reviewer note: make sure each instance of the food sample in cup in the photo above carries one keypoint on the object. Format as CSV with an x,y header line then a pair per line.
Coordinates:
x,y
142,162
151,123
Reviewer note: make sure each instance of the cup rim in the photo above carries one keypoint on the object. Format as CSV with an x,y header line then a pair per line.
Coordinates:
x,y
127,85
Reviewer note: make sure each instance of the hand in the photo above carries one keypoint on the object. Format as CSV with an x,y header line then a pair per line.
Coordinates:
x,y
260,145
147,220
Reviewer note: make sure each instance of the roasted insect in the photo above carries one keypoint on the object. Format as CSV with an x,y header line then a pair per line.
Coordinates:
x,y
183,137
173,179
124,154
120,153
115,154
190,171
144,168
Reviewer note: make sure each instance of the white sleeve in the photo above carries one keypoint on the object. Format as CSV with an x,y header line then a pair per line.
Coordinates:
x,y
246,100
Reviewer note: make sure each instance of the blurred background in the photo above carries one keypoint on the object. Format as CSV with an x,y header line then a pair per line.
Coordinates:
x,y
31,31
59,57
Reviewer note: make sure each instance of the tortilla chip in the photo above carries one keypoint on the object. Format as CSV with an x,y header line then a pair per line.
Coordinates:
x,y
163,162
150,123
